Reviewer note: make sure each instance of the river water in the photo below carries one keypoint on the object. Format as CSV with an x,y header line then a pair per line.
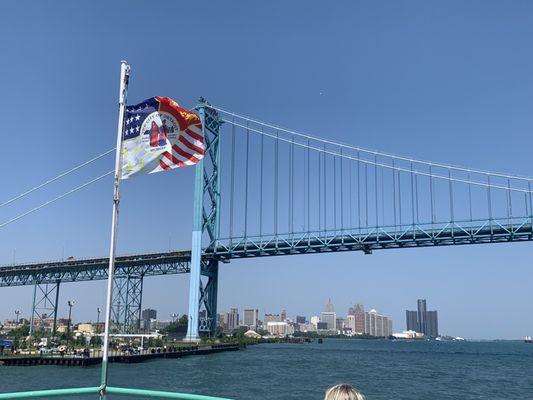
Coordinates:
x,y
381,369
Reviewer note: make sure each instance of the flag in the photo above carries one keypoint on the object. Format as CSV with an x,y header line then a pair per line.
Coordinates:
x,y
160,135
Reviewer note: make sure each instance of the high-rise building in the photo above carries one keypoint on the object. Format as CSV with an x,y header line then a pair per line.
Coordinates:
x,y
377,324
411,318
422,309
148,314
359,315
330,318
426,321
271,318
300,319
432,324
233,319
283,315
329,306
250,317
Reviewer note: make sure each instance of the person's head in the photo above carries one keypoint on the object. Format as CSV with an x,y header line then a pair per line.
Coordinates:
x,y
343,392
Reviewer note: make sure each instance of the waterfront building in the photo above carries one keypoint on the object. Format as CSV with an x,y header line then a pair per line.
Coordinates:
x,y
426,321
283,315
315,319
271,318
377,325
278,328
351,322
148,314
340,323
421,315
300,319
330,319
411,318
233,319
322,327
359,315
250,317
432,324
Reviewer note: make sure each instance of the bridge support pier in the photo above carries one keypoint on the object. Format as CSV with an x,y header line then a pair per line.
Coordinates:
x,y
44,305
127,303
207,307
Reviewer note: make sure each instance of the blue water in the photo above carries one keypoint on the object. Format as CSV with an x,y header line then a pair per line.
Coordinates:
x,y
381,369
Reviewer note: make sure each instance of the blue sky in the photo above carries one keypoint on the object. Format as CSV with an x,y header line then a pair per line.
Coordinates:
x,y
448,82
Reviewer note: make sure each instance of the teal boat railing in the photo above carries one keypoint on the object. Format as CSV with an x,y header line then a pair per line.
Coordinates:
x,y
109,390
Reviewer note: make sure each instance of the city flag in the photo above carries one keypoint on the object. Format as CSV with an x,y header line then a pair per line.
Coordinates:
x,y
160,135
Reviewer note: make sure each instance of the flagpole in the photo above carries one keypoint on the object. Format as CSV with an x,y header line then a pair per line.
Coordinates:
x,y
124,77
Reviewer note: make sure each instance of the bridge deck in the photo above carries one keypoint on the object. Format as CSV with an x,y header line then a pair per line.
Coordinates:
x,y
178,262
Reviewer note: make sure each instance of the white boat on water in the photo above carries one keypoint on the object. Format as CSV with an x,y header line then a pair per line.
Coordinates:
x,y
528,339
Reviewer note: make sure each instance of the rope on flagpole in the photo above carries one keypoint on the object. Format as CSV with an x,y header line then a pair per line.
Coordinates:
x,y
55,199
52,180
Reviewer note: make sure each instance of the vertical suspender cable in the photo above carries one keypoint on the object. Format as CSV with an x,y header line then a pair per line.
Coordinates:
x,y
489,201
276,184
261,186
359,191
325,192
400,197
308,187
334,193
232,183
342,195
431,195
292,185
470,196
394,192
416,197
376,188
366,196
319,157
246,182
350,191
412,195
450,186
510,210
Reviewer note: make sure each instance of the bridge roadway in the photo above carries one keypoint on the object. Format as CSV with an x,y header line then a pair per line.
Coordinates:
x,y
178,262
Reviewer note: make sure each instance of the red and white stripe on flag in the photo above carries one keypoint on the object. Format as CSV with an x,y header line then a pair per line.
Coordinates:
x,y
160,135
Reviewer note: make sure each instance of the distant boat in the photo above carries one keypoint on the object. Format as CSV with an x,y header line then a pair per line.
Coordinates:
x,y
528,339
320,340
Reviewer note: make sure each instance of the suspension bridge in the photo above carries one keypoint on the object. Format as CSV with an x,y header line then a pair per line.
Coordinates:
x,y
264,190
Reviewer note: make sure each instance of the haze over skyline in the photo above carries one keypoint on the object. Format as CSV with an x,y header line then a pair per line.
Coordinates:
x,y
444,82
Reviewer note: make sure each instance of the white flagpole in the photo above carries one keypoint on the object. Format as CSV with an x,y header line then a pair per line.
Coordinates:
x,y
124,77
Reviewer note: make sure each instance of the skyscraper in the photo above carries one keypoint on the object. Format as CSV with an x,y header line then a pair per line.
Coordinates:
x,y
411,318
422,325
250,317
423,321
329,317
359,315
233,319
432,324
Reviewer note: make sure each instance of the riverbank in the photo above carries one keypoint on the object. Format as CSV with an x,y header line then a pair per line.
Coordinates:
x,y
117,357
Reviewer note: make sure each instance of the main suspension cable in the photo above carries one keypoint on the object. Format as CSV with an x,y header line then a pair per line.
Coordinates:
x,y
55,199
62,175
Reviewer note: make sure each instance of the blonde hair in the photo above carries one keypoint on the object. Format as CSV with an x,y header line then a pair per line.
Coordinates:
x,y
343,392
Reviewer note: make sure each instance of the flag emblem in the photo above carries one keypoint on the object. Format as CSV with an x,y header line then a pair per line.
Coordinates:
x,y
160,135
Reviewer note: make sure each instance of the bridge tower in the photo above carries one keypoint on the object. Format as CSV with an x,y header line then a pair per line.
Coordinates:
x,y
44,305
206,220
127,302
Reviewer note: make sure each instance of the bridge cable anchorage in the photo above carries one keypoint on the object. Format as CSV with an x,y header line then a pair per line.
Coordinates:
x,y
47,203
56,178
371,152
399,170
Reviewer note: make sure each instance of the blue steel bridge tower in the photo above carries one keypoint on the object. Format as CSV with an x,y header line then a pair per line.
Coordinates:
x,y
206,221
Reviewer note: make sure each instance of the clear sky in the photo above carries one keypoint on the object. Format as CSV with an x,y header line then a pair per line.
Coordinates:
x,y
444,81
